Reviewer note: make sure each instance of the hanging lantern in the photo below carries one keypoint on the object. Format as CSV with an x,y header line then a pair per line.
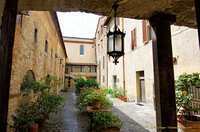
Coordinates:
x,y
115,44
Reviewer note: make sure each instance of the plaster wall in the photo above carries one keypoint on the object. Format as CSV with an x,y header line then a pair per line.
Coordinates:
x,y
185,50
29,55
137,60
73,51
101,53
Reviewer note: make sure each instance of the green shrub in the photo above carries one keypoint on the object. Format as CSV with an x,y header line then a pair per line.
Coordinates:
x,y
102,120
24,115
183,95
81,82
113,95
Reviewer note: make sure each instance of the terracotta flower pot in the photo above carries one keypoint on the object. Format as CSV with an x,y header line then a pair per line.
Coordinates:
x,y
96,104
124,98
187,125
42,123
112,129
33,127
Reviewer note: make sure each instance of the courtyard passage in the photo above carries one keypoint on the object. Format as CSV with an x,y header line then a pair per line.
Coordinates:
x,y
136,118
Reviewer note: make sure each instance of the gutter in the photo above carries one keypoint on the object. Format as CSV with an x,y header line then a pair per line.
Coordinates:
x,y
56,22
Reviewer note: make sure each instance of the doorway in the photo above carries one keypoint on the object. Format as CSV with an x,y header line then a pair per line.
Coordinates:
x,y
140,86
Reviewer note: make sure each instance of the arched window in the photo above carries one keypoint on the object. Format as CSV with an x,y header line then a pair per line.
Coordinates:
x,y
27,80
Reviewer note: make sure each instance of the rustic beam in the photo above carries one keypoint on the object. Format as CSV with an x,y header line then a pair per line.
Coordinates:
x,y
6,50
163,72
197,9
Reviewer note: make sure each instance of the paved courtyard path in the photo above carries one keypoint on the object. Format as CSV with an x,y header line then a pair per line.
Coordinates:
x,y
70,120
136,118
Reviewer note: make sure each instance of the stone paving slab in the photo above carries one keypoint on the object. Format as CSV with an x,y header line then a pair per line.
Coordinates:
x,y
136,118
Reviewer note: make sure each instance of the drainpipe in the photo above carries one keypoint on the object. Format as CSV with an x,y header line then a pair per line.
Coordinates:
x,y
123,61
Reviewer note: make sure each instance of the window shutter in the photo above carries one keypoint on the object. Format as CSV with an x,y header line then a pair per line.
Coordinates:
x,y
145,32
133,39
132,42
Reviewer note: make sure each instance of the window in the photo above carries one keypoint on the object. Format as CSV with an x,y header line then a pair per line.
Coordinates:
x,y
133,39
149,33
146,31
36,35
81,50
46,46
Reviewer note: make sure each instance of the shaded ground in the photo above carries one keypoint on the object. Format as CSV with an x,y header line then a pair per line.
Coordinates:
x,y
135,118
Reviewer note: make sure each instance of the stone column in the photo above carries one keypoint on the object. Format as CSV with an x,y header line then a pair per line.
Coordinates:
x,y
6,49
197,9
163,72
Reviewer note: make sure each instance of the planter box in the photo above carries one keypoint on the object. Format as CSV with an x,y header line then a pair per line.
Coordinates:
x,y
123,98
187,125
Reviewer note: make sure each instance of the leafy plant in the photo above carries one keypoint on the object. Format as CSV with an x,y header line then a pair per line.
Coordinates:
x,y
102,120
49,103
66,88
81,82
183,95
46,101
121,92
24,115
87,95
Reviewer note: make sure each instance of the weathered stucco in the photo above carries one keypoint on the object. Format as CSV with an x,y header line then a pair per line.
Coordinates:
x,y
138,9
29,55
185,51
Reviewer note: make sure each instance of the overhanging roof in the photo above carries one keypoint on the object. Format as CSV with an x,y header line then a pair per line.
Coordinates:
x,y
138,9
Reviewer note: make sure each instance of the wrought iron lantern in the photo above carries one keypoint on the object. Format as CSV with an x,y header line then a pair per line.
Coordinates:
x,y
115,40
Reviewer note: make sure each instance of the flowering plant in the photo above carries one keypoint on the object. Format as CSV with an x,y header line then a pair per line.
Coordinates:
x,y
96,95
88,95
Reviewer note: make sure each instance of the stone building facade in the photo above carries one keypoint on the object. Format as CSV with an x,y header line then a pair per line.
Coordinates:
x,y
38,51
81,60
135,71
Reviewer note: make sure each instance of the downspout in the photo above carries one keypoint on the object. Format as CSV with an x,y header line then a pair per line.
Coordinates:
x,y
124,87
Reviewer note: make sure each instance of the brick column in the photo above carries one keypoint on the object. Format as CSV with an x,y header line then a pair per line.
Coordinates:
x,y
163,72
6,50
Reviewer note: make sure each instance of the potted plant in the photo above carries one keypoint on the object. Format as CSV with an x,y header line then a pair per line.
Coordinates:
x,y
186,119
25,118
66,88
106,122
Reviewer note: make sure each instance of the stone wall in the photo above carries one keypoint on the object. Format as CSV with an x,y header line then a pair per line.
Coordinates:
x,y
29,55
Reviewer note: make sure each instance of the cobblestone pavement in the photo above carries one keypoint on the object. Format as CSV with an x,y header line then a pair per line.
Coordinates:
x,y
135,118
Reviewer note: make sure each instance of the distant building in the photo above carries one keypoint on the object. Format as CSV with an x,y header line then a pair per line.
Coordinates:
x,y
38,51
81,59
134,72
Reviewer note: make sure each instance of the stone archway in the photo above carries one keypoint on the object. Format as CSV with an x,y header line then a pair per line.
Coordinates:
x,y
28,79
146,9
